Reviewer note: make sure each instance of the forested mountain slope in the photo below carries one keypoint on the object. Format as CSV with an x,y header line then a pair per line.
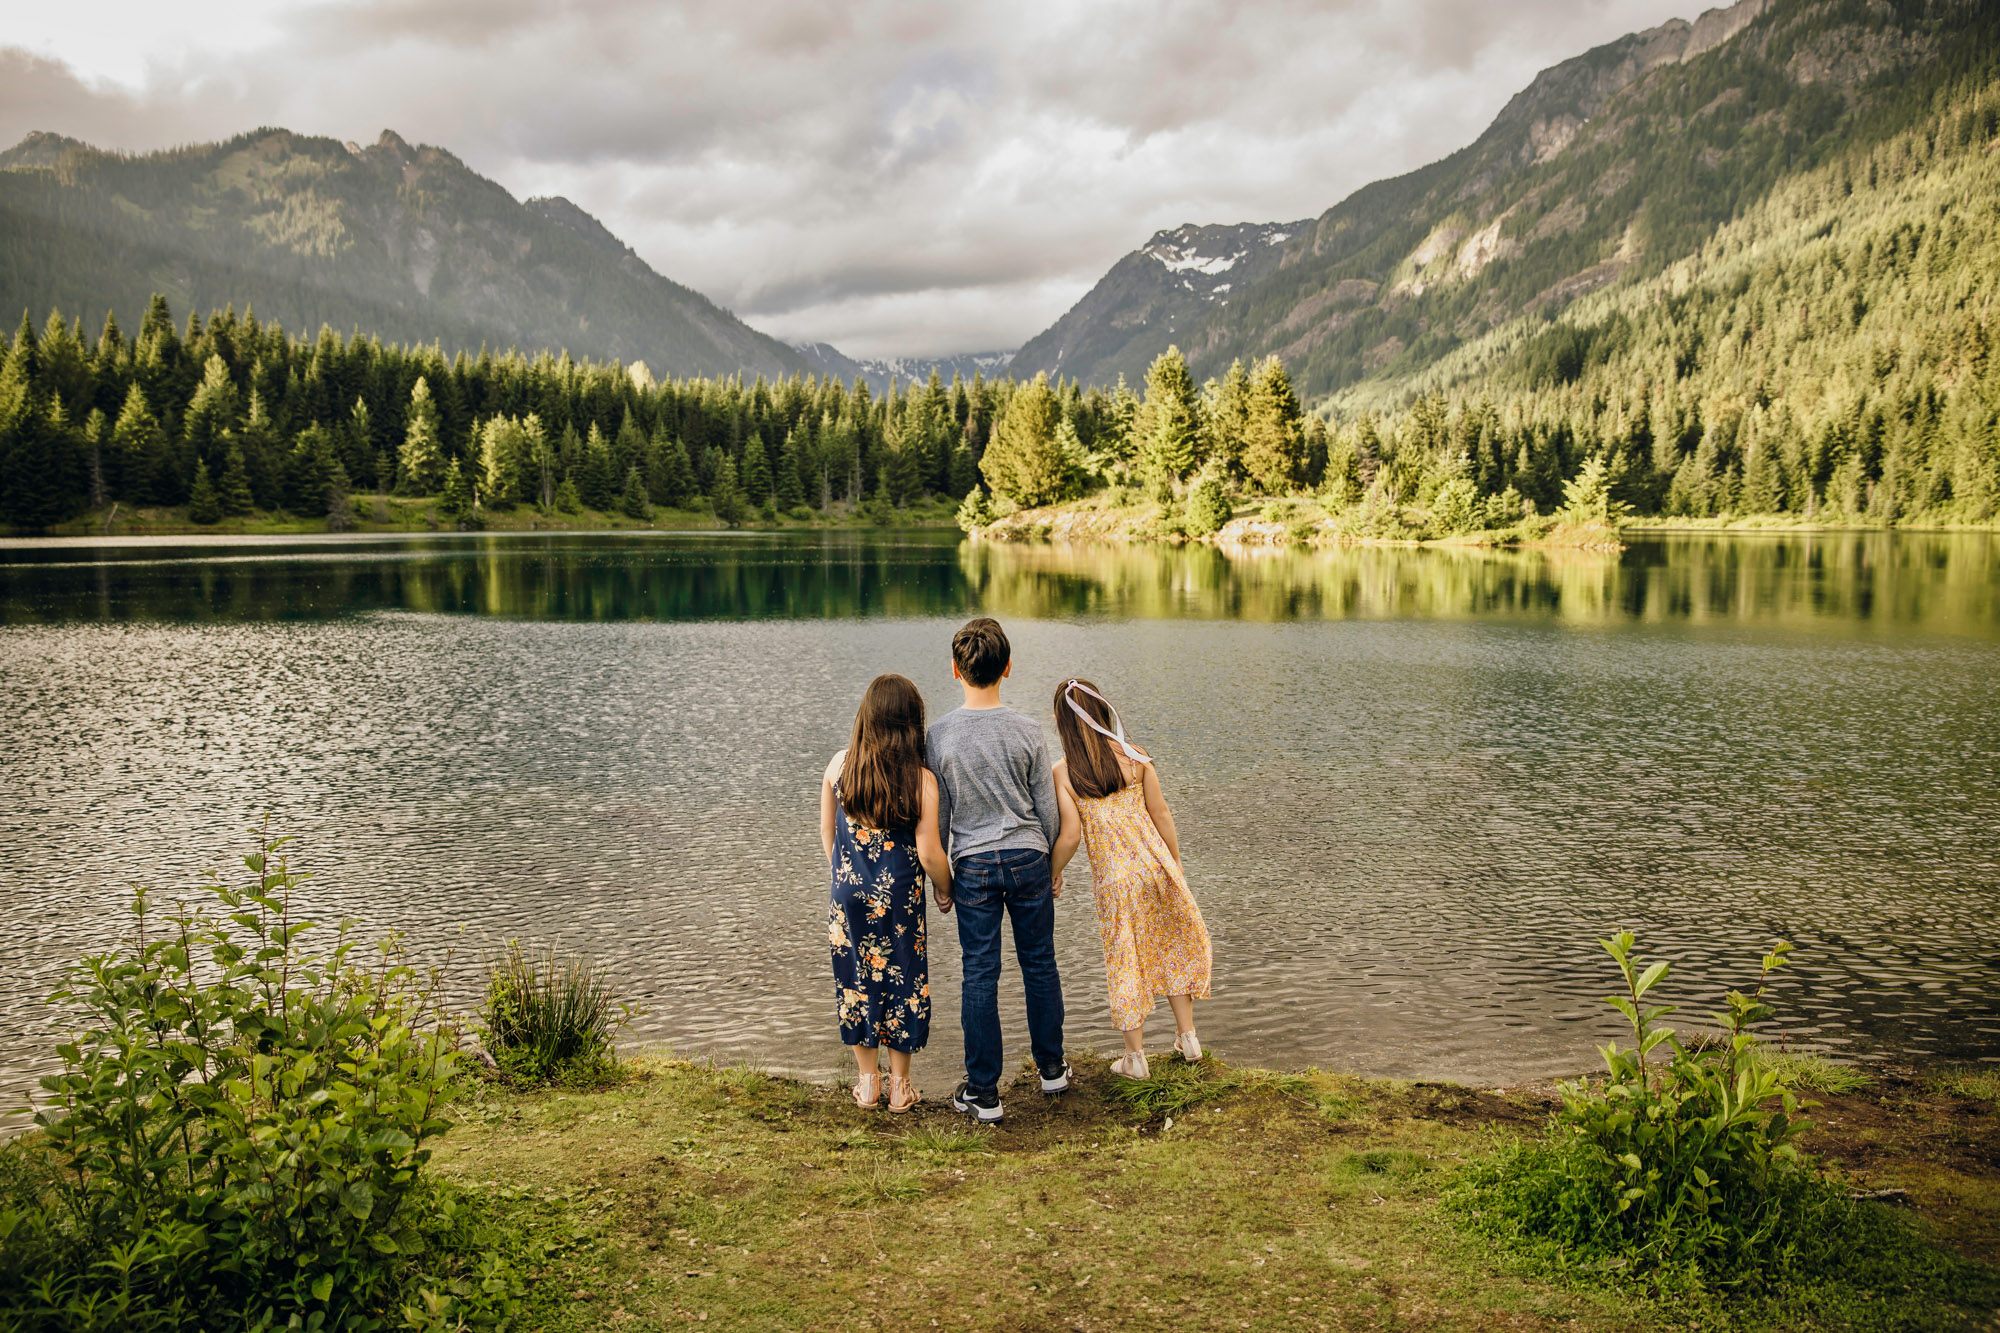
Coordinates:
x,y
1607,170
405,242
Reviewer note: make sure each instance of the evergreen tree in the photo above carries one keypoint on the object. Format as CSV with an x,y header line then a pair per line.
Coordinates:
x,y
211,416
1023,462
902,474
756,479
234,495
312,470
139,447
632,500
455,498
420,463
964,471
1273,430
258,439
726,495
96,444
204,506
566,498
678,484
599,484
1170,420
790,481
1228,419
42,473
362,451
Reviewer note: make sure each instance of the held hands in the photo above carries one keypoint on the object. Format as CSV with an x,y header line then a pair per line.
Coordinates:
x,y
942,893
1055,885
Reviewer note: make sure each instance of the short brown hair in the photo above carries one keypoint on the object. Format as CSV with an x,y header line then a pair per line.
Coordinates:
x,y
981,651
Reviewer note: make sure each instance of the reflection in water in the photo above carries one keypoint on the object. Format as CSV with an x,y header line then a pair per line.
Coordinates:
x,y
1413,784
1944,581
1935,581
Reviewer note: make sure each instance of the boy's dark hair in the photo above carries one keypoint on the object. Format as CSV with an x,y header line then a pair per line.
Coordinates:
x,y
981,651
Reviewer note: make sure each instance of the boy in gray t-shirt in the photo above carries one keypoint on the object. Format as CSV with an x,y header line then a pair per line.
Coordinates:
x,y
998,814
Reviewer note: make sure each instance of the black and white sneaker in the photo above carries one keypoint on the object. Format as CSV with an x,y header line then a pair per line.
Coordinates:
x,y
1056,1080
983,1107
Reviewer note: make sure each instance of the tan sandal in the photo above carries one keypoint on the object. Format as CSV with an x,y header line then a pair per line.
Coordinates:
x,y
868,1090
1132,1065
903,1095
1189,1046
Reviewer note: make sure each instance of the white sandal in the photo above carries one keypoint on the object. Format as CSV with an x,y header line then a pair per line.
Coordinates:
x,y
868,1090
1132,1065
1189,1046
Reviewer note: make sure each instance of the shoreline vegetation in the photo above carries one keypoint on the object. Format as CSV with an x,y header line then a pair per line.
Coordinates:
x,y
250,1134
390,515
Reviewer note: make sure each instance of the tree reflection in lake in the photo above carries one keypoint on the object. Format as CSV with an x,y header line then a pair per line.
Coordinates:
x,y
1936,581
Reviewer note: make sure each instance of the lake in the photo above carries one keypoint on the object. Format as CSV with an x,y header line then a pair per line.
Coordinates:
x,y
1413,785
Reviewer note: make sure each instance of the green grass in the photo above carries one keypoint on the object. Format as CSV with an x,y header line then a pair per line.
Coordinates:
x,y
1979,1083
772,1205
1803,1072
1175,1086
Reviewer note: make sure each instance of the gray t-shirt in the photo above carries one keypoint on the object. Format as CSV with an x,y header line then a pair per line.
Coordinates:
x,y
996,787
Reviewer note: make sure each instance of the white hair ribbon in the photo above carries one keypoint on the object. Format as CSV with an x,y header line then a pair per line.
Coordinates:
x,y
1117,738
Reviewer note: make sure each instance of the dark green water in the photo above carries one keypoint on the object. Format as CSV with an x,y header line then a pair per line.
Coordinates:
x,y
1413,785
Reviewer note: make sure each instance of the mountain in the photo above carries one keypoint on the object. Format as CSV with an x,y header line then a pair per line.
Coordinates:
x,y
826,359
404,242
1608,169
1170,284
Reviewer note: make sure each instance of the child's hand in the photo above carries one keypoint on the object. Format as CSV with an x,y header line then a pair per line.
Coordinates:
x,y
943,896
1055,885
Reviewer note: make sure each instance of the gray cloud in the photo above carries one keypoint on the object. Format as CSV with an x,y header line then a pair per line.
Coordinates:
x,y
892,176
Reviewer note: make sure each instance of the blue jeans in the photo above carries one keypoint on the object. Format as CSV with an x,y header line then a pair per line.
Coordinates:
x,y
982,885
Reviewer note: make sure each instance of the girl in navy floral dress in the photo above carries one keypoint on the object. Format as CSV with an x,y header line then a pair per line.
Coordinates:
x,y
878,822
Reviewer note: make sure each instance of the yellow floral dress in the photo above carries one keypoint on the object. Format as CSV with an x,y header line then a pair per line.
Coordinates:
x,y
1155,942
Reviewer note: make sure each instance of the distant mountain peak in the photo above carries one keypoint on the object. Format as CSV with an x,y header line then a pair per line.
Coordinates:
x,y
1605,168
39,148
403,240
572,218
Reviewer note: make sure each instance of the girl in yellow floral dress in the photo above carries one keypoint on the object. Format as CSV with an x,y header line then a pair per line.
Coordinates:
x,y
1155,942
878,823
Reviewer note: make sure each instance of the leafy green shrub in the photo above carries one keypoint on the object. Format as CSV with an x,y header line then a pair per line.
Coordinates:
x,y
549,1016
1681,1169
1683,1165
238,1137
976,511
1457,508
1207,506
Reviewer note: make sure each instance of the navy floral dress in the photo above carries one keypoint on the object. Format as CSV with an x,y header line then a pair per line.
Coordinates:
x,y
875,925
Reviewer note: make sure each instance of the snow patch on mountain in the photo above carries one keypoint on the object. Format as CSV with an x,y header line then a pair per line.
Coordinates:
x,y
1211,250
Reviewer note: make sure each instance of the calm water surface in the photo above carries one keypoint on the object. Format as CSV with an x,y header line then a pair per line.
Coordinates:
x,y
1413,785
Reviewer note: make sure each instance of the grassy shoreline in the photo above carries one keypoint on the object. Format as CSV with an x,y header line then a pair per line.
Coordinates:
x,y
391,515
689,1195
1302,521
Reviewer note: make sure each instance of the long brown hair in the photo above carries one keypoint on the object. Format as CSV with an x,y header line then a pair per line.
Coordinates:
x,y
1094,769
882,779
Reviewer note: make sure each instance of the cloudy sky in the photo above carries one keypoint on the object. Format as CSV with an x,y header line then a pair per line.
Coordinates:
x,y
891,176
